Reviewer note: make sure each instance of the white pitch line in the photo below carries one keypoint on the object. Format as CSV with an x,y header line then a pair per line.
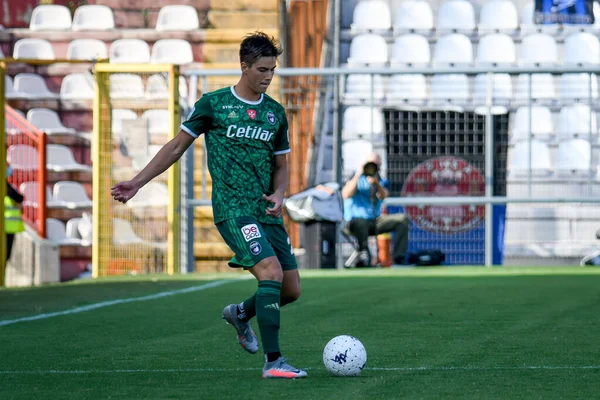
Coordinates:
x,y
109,303
400,369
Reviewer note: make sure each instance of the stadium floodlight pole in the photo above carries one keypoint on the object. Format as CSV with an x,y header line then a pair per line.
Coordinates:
x,y
489,170
337,126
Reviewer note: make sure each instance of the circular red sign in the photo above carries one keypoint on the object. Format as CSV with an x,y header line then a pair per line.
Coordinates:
x,y
439,177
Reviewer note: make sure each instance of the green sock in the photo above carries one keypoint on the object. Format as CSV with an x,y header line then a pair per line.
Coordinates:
x,y
267,313
247,309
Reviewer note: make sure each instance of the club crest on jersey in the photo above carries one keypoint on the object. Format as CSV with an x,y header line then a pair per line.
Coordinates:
x,y
255,248
271,118
250,232
251,113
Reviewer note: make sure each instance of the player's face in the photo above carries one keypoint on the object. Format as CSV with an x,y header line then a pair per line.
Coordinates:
x,y
260,74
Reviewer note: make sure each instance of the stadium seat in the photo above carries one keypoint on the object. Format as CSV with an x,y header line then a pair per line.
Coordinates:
x,y
37,49
158,121
575,121
542,87
527,13
408,87
22,157
32,86
371,15
455,15
172,51
410,49
450,87
117,116
72,228
177,18
363,86
86,49
496,48
578,87
541,123
29,190
126,86
359,121
93,18
368,49
353,154
538,48
453,49
413,15
123,234
498,16
77,87
50,17
502,90
581,48
57,232
60,158
9,89
48,121
573,157
153,194
518,164
85,228
156,87
1,53
71,195
129,51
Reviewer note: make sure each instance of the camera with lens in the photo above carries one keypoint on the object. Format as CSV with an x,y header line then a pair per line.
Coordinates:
x,y
370,169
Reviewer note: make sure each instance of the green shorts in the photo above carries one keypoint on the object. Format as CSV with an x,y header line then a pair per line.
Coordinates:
x,y
252,242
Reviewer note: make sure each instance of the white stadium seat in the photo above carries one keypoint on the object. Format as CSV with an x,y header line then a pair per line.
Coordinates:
x,y
57,232
455,15
542,87
30,191
93,18
32,86
576,120
450,87
123,234
38,49
156,87
541,123
578,87
502,90
573,157
408,87
413,15
538,48
371,15
498,16
172,51
361,87
86,49
9,88
362,121
48,121
59,158
411,49
158,121
22,157
117,116
581,48
71,194
368,49
527,13
177,18
153,194
453,49
496,48
50,17
126,86
129,51
77,87
518,164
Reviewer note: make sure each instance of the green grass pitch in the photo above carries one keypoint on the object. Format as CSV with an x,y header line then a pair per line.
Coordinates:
x,y
445,333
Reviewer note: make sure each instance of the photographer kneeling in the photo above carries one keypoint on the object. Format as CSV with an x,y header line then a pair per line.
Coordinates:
x,y
363,195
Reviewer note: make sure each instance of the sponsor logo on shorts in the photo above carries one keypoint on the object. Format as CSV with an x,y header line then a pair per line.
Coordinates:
x,y
271,118
250,232
255,248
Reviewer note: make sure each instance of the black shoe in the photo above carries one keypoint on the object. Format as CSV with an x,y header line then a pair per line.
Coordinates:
x,y
399,260
364,260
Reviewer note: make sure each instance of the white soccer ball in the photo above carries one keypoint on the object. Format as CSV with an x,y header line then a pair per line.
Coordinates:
x,y
344,355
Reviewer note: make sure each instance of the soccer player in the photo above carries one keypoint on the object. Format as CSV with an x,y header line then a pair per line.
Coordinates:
x,y
246,134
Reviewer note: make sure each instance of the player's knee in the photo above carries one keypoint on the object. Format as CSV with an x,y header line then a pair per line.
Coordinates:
x,y
269,269
291,295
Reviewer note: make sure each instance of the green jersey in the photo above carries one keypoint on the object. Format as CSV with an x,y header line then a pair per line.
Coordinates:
x,y
242,138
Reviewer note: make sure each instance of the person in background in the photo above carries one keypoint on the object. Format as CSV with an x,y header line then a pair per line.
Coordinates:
x,y
13,221
363,195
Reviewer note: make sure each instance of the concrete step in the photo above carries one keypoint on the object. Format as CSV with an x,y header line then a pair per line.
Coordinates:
x,y
262,5
220,19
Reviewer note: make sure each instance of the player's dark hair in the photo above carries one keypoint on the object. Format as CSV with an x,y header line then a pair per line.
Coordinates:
x,y
258,45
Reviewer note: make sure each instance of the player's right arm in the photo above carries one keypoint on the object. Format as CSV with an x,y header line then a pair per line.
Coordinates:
x,y
167,156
